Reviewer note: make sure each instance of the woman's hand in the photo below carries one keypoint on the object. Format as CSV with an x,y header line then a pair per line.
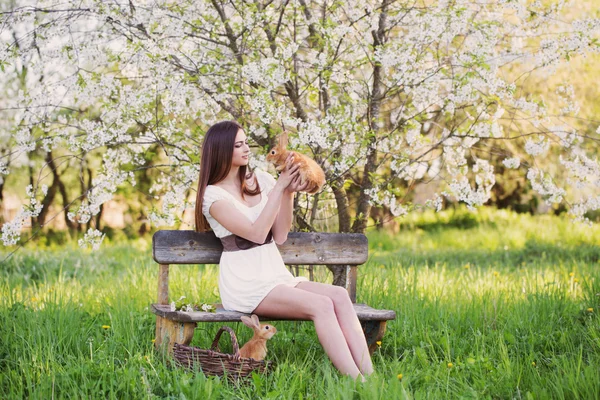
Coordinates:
x,y
289,174
296,185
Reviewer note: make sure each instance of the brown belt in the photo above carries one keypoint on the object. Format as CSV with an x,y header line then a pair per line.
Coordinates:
x,y
236,243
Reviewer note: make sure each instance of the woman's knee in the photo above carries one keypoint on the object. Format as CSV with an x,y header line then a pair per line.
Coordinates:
x,y
340,296
321,306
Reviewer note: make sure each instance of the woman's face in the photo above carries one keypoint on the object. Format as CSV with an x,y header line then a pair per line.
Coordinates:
x,y
241,150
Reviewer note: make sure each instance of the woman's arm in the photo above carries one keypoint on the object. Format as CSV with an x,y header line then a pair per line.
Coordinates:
x,y
225,213
284,220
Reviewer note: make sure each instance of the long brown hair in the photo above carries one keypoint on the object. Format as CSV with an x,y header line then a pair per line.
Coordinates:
x,y
215,164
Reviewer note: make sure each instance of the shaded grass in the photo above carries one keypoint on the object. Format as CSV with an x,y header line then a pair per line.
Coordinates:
x,y
512,322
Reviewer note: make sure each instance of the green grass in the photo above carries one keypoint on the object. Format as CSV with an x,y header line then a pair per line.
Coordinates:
x,y
504,298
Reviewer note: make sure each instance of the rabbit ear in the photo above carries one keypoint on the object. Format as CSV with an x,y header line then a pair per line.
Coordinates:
x,y
255,320
248,322
283,139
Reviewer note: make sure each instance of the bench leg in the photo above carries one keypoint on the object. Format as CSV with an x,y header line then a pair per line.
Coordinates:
x,y
374,331
170,332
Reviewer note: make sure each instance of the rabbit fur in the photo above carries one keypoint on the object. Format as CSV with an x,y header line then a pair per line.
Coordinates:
x,y
257,346
309,170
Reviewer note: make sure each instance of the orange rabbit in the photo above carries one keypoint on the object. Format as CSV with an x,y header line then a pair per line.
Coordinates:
x,y
257,346
310,171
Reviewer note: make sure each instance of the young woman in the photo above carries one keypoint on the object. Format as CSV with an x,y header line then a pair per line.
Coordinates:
x,y
251,212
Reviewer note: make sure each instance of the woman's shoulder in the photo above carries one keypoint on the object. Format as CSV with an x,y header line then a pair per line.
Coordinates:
x,y
214,192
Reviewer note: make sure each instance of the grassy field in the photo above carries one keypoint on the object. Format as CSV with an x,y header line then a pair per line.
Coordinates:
x,y
489,305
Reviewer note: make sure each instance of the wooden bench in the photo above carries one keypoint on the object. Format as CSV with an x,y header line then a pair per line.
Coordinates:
x,y
189,247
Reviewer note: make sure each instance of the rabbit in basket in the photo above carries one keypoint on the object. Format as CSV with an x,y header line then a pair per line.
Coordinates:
x,y
257,346
310,171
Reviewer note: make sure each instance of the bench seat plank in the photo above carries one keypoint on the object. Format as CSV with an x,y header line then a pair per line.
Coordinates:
x,y
300,248
363,311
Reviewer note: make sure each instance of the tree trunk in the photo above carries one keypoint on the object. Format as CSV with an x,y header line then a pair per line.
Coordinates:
x,y
364,207
339,275
33,219
49,199
341,201
65,200
99,216
84,191
47,202
315,207
2,203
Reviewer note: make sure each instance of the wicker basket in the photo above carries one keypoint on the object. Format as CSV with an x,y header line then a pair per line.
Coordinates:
x,y
213,362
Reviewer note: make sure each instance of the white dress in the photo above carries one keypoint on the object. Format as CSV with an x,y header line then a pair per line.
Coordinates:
x,y
247,276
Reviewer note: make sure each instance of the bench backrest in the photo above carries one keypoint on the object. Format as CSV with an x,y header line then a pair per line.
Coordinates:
x,y
301,248
306,248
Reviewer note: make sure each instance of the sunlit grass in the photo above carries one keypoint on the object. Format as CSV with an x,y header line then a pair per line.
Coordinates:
x,y
492,305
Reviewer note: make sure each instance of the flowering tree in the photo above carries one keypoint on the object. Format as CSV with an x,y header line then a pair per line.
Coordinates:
x,y
382,94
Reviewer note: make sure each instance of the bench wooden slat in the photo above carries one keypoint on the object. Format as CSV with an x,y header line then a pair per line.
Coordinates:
x,y
363,311
305,248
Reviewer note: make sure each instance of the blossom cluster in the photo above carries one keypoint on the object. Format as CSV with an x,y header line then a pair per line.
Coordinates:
x,y
93,238
512,163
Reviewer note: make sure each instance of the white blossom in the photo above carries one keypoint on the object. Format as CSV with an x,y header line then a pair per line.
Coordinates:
x,y
512,163
379,197
543,184
537,148
268,72
93,238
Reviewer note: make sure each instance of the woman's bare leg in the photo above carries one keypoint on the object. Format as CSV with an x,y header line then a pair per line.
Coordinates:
x,y
289,302
349,323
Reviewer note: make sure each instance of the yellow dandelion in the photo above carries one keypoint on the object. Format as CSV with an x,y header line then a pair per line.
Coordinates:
x,y
496,273
153,340
378,343
590,309
33,299
382,266
467,266
533,363
575,280
146,357
450,365
571,273
105,326
399,377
